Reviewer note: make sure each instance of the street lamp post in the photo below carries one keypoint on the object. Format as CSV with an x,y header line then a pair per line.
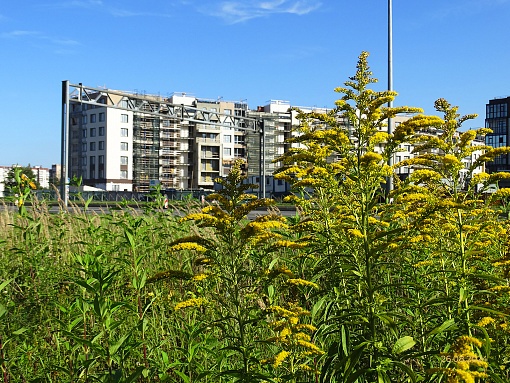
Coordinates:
x,y
390,82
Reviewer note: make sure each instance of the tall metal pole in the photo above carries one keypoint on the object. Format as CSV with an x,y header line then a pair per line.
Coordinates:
x,y
390,80
64,168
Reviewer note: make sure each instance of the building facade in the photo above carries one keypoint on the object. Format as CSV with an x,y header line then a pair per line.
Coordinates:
x,y
497,119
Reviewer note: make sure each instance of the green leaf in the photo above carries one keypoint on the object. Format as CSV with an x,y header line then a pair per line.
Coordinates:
x,y
135,375
3,311
115,347
20,331
403,344
5,283
443,327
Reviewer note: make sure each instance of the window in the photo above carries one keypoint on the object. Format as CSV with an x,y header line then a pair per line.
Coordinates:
x,y
101,117
101,130
227,151
238,139
92,146
84,133
124,118
84,119
123,132
123,174
92,132
84,161
84,147
238,152
227,138
227,111
101,173
92,161
123,160
92,173
124,146
123,104
101,145
101,160
92,118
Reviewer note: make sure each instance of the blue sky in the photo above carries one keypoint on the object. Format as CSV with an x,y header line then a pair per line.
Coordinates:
x,y
254,50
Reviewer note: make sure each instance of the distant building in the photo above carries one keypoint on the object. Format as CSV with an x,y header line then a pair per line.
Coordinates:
x,y
497,119
42,176
55,172
4,170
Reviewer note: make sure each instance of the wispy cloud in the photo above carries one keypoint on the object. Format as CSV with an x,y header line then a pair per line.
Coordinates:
x,y
18,33
56,43
239,11
107,8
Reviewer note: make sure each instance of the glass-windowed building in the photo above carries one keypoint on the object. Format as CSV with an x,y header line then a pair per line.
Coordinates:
x,y
496,119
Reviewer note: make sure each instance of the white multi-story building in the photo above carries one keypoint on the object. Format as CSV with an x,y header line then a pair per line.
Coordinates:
x,y
4,170
121,141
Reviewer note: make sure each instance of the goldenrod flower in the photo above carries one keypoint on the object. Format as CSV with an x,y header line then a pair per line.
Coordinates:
x,y
193,302
485,321
199,277
302,282
423,264
279,359
189,246
355,233
310,346
500,288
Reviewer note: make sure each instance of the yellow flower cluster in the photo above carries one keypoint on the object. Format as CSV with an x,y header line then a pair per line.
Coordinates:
x,y
193,302
199,277
423,264
468,365
302,282
203,261
355,233
485,321
278,360
502,288
188,246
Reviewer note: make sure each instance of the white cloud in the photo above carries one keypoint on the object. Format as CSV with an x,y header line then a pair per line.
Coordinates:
x,y
18,33
239,11
40,39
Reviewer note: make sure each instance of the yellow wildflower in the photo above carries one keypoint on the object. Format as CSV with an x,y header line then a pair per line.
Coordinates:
x,y
199,277
500,288
310,346
188,246
355,233
285,332
279,359
423,264
193,302
302,282
485,321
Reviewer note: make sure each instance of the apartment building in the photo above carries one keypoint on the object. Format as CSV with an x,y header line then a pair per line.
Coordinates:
x,y
497,119
4,170
122,141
